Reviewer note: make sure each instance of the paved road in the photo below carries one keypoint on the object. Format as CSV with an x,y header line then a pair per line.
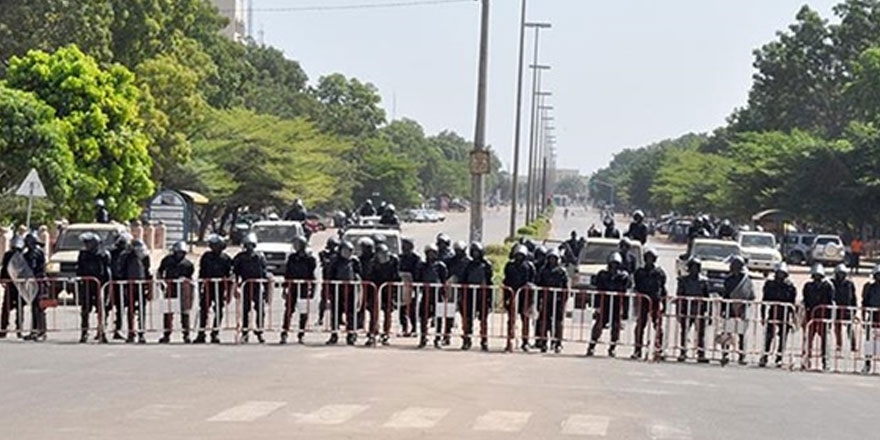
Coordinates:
x,y
234,392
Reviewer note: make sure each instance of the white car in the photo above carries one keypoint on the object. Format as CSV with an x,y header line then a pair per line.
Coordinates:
x,y
715,256
275,241
827,249
62,263
594,258
760,250
391,237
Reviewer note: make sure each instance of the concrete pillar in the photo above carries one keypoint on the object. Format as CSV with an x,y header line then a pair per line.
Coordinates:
x,y
148,236
137,231
160,235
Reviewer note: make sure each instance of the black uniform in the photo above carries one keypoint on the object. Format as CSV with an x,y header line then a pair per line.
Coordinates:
x,y
456,264
136,289
11,300
248,266
326,257
215,269
299,272
844,297
410,262
552,281
638,231
389,218
476,296
778,316
381,273
102,215
431,274
342,298
296,214
611,232
871,301
93,266
367,210
114,301
176,272
609,306
651,282
517,275
816,295
691,308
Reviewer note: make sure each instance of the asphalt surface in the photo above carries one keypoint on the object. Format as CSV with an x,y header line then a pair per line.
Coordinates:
x,y
68,391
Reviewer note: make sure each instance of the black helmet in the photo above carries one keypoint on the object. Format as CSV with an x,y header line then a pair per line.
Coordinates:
x,y
476,250
332,242
443,239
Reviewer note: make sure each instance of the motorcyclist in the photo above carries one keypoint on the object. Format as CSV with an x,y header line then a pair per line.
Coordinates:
x,y
638,230
176,271
519,273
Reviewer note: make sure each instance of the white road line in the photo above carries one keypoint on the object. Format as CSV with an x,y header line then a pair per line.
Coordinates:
x,y
502,421
332,414
664,431
582,424
247,412
416,418
156,412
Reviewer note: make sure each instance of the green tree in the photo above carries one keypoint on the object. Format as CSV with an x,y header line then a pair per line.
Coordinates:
x,y
99,110
572,186
349,106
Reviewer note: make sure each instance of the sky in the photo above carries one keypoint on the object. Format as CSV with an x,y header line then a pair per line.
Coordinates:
x,y
625,73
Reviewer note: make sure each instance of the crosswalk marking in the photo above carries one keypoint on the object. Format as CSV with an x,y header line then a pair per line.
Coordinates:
x,y
247,412
581,424
332,414
502,421
156,412
417,418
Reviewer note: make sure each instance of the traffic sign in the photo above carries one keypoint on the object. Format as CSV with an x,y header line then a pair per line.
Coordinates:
x,y
32,186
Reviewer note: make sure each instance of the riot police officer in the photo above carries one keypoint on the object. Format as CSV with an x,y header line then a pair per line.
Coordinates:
x,y
11,300
36,262
477,300
299,272
176,271
552,282
215,268
367,209
871,315
249,268
738,289
457,263
650,281
327,255
385,269
638,230
102,215
115,301
539,257
389,217
779,297
444,247
630,263
297,212
844,299
610,231
134,270
818,296
692,293
519,273
410,263
343,275
429,276
575,246
611,281
93,269
726,231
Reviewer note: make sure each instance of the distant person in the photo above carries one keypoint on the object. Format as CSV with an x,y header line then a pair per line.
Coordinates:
x,y
856,249
102,215
134,269
611,231
367,209
726,230
638,230
594,232
12,302
297,212
389,217
738,289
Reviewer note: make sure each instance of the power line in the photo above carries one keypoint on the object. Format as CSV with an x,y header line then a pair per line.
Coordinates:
x,y
385,5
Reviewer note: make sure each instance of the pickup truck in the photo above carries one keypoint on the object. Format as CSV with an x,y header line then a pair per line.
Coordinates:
x,y
760,250
715,255
275,241
594,258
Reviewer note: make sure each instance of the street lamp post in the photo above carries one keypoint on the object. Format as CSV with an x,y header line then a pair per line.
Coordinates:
x,y
546,143
536,75
479,156
539,156
514,192
538,102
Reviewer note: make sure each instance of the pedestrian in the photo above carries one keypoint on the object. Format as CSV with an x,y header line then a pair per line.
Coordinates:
x,y
844,303
871,317
612,283
249,268
610,230
115,302
12,301
692,293
818,298
137,288
299,274
777,312
552,283
856,249
93,271
519,274
477,300
176,272
737,294
215,270
410,263
343,276
436,297
650,281
638,230
102,215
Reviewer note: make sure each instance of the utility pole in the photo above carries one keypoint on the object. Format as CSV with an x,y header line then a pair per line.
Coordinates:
x,y
514,191
539,154
545,139
536,80
479,156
